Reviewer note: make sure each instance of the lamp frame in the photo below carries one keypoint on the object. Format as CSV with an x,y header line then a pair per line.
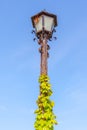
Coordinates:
x,y
44,33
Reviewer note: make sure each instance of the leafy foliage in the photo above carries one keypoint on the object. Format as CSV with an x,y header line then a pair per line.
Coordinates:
x,y
45,118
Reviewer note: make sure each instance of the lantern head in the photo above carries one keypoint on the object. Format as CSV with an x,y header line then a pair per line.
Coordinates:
x,y
44,23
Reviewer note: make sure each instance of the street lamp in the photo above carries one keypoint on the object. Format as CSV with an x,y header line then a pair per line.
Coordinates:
x,y
44,24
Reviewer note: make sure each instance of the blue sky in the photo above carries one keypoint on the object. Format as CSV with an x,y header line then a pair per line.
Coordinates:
x,y
19,64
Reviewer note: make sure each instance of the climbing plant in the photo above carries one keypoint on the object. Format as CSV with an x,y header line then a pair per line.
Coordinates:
x,y
45,118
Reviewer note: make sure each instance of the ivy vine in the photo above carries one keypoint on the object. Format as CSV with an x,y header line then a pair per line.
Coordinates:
x,y
45,118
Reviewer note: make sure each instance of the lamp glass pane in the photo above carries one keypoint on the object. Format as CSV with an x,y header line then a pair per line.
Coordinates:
x,y
48,23
38,23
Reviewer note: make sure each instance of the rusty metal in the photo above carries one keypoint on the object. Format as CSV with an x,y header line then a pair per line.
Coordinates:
x,y
43,49
44,57
42,37
35,17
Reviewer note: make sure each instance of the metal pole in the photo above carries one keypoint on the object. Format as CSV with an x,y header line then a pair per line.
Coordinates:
x,y
44,56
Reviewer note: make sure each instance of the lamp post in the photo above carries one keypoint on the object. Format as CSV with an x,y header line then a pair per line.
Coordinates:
x,y
44,24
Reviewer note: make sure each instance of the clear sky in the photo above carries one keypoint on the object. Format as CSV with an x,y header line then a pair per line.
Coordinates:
x,y
19,64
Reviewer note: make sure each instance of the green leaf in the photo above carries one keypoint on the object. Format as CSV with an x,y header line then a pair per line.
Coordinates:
x,y
45,118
